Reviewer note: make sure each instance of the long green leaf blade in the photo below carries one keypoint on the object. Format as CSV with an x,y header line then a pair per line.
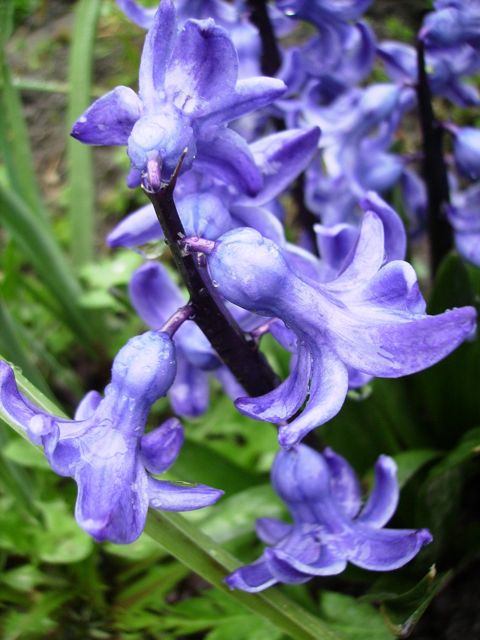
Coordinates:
x,y
80,168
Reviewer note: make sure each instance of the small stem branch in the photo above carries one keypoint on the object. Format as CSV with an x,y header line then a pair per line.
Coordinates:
x,y
173,324
271,58
434,168
239,354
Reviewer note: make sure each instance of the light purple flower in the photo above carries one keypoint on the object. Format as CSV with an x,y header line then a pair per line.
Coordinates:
x,y
467,151
330,526
464,216
371,318
188,91
105,449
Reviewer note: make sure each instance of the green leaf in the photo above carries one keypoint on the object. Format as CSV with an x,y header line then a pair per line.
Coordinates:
x,y
36,622
353,620
23,454
405,610
62,541
235,516
409,462
79,157
15,144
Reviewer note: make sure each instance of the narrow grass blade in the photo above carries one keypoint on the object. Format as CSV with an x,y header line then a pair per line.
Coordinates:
x,y
14,140
80,168
41,249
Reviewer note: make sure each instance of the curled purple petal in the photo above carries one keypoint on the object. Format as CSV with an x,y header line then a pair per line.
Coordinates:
x,y
159,448
383,500
251,578
110,119
139,227
271,530
169,496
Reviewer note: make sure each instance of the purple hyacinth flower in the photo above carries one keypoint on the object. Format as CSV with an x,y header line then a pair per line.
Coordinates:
x,y
467,152
105,449
464,216
188,91
371,318
330,527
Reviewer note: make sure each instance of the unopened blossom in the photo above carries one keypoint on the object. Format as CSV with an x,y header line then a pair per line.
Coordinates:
x,y
105,448
188,91
371,318
330,526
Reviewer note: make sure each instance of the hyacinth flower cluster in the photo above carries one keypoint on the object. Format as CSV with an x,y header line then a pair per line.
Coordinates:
x,y
330,526
346,305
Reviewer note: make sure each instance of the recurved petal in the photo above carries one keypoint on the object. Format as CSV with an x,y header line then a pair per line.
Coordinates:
x,y
468,245
281,567
156,54
271,530
327,564
366,257
252,577
385,549
228,157
203,68
383,500
394,290
285,400
397,347
393,227
250,94
87,405
281,157
110,119
139,227
343,483
168,496
19,408
141,16
159,448
328,389
154,295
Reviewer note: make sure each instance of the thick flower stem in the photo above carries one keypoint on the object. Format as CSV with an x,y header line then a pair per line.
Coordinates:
x,y
271,60
434,169
239,354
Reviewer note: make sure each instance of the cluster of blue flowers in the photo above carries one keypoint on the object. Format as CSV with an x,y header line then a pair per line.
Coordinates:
x,y
348,307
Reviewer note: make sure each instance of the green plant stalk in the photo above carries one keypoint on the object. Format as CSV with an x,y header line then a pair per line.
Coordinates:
x,y
41,249
202,555
79,157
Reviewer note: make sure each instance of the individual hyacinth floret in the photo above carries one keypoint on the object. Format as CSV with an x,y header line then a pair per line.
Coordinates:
x,y
188,91
105,448
330,527
371,318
